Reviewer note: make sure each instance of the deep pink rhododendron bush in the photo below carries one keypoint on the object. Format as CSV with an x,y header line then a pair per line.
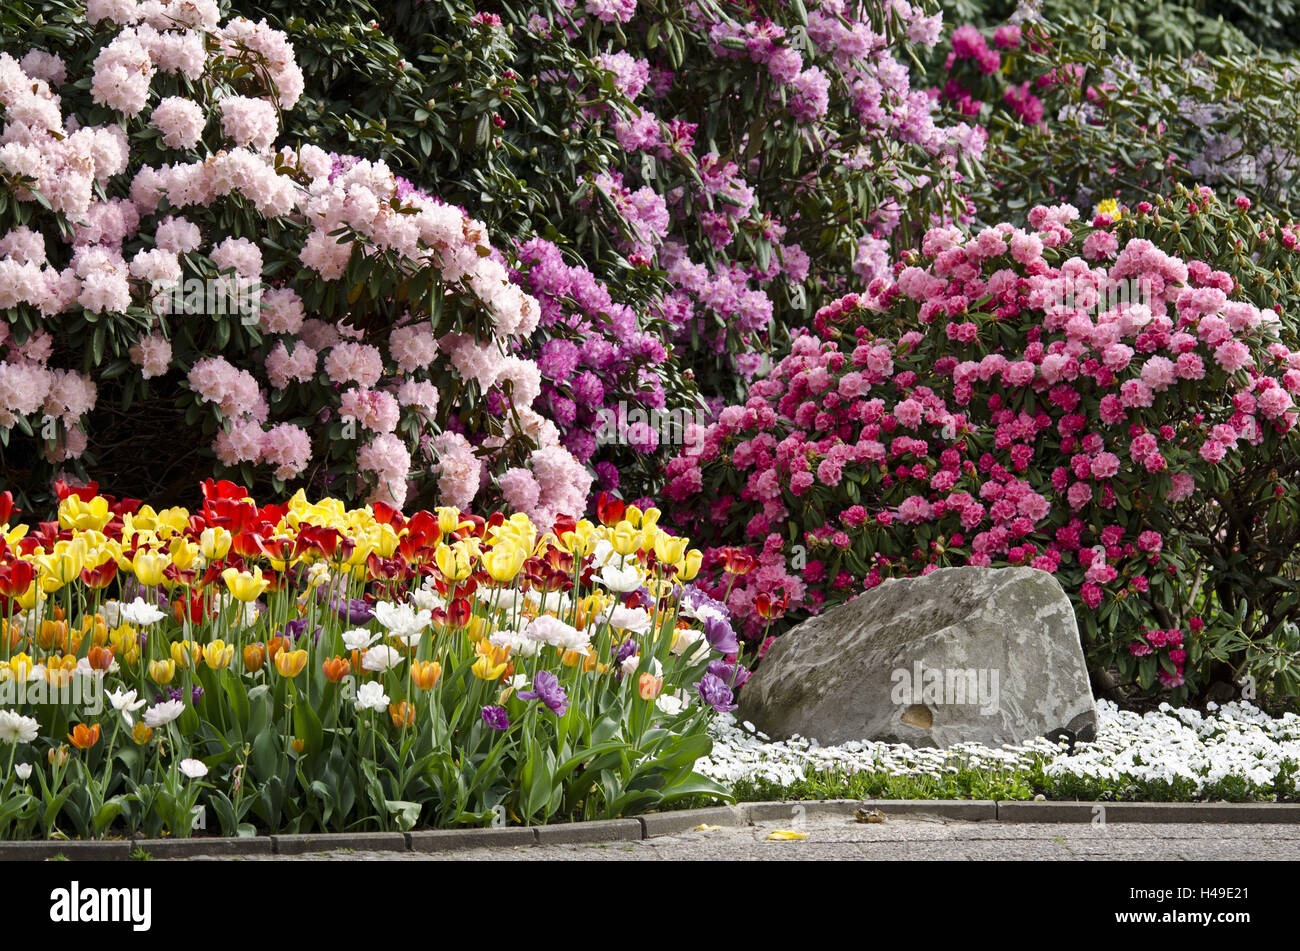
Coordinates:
x,y
1067,396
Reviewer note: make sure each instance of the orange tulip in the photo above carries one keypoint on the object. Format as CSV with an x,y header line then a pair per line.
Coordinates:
x,y
100,658
84,737
425,673
299,745
649,686
336,668
254,657
273,648
52,635
402,714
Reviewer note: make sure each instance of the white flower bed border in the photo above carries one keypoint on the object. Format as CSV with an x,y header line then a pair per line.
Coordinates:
x,y
1235,740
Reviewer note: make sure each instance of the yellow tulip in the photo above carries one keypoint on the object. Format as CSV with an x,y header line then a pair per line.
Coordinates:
x,y
74,513
141,733
27,600
183,553
579,542
386,540
215,542
144,519
625,538
149,567
245,586
290,663
62,566
669,548
650,519
59,670
172,521
218,654
453,562
162,671
20,665
186,654
449,520
504,561
690,566
485,669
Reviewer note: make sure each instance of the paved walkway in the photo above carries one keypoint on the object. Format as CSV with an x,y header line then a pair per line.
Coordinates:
x,y
844,839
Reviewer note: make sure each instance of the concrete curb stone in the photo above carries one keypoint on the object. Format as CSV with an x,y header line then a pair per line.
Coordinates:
x,y
652,825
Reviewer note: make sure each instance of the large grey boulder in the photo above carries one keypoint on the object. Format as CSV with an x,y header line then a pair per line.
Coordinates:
x,y
987,655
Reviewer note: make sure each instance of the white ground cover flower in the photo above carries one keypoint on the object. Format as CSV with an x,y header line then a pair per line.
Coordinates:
x,y
1234,742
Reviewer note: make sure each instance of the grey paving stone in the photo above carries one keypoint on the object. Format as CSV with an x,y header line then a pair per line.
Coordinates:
x,y
686,820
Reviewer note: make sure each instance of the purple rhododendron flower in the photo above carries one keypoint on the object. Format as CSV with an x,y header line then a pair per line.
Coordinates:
x,y
546,688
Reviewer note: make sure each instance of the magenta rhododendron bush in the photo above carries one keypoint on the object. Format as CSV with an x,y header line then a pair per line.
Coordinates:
x,y
313,315
1071,396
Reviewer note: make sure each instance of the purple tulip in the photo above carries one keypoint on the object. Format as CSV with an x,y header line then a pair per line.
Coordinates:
x,y
715,692
732,674
296,628
546,688
720,635
496,718
352,610
623,651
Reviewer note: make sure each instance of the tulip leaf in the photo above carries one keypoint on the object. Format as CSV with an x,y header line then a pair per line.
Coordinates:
x,y
407,813
306,727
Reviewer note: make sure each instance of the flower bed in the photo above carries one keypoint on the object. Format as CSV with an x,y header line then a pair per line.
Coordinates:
x,y
305,666
1234,752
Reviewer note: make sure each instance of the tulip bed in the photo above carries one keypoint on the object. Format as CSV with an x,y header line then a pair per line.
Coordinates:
x,y
305,666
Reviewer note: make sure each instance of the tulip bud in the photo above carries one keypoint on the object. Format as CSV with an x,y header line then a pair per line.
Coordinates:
x,y
425,673
254,657
162,671
402,714
336,668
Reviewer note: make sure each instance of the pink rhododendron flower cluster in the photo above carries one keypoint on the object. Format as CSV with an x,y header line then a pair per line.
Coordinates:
x,y
1024,414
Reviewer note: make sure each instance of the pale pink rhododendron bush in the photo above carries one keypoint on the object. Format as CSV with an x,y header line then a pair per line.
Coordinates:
x,y
377,346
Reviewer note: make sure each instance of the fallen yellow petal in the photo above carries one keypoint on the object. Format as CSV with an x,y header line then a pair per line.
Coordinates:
x,y
705,827
785,835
